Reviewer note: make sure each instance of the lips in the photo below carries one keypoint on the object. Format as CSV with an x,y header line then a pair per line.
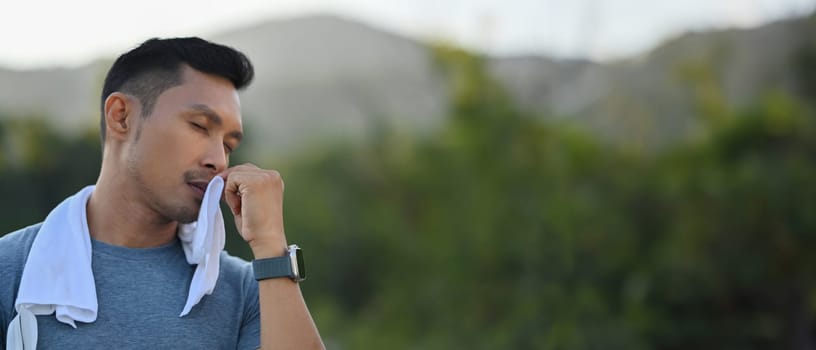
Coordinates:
x,y
198,186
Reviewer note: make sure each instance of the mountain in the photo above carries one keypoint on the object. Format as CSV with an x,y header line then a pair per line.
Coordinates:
x,y
325,77
69,97
653,100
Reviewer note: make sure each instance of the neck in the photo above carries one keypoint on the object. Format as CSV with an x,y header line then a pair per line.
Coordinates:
x,y
118,216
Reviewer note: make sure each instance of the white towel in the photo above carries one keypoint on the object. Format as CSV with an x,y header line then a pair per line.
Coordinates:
x,y
203,242
57,277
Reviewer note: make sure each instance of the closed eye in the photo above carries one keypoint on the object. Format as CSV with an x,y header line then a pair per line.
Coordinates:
x,y
228,148
198,127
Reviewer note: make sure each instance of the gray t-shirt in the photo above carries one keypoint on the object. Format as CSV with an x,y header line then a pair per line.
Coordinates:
x,y
141,293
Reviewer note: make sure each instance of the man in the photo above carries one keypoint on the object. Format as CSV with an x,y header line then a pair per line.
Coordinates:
x,y
170,119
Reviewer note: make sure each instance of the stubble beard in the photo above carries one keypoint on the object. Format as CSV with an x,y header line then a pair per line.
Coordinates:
x,y
179,212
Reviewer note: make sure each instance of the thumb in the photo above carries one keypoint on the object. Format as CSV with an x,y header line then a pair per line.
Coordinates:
x,y
233,201
232,197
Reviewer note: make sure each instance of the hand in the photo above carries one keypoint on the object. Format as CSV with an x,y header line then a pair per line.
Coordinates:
x,y
255,197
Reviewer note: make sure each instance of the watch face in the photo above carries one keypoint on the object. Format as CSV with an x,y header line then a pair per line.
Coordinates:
x,y
301,266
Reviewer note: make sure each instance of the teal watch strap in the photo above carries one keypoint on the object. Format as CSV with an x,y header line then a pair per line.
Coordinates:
x,y
272,268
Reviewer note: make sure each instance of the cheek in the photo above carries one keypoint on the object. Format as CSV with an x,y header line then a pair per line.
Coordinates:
x,y
164,149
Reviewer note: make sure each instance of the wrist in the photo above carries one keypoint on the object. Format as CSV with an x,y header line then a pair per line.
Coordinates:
x,y
268,248
290,265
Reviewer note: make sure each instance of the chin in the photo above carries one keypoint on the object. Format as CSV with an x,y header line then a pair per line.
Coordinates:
x,y
188,218
184,214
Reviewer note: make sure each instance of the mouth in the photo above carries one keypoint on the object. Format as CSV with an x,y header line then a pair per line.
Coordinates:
x,y
198,187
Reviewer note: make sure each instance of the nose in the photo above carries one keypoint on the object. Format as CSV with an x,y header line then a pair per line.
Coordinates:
x,y
216,158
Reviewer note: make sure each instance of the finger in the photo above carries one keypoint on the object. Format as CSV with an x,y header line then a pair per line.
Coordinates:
x,y
225,174
232,194
233,201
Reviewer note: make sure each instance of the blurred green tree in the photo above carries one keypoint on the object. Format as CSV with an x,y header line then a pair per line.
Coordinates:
x,y
500,231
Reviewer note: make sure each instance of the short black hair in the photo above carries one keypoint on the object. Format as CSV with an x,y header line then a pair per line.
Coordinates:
x,y
156,65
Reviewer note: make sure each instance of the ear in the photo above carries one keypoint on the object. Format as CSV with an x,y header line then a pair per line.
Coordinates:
x,y
119,108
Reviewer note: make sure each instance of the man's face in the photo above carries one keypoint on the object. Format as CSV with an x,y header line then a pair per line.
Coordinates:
x,y
183,144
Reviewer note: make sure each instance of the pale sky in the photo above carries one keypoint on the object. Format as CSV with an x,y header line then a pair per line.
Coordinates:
x,y
36,34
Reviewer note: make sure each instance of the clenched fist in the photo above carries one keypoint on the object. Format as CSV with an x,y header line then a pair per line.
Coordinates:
x,y
255,197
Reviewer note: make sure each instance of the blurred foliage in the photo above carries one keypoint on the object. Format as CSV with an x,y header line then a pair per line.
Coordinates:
x,y
40,167
500,231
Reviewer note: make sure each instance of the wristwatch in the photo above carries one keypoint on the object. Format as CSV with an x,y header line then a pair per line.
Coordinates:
x,y
290,265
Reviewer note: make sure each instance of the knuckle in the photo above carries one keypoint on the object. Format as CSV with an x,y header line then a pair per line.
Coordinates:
x,y
271,176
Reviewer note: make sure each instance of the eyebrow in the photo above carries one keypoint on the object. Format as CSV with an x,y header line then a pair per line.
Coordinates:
x,y
214,118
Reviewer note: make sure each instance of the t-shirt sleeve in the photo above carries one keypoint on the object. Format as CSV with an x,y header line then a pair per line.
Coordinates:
x,y
3,317
14,249
250,333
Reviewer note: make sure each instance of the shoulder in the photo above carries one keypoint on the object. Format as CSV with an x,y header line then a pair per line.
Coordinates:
x,y
233,265
14,248
236,272
237,276
237,283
